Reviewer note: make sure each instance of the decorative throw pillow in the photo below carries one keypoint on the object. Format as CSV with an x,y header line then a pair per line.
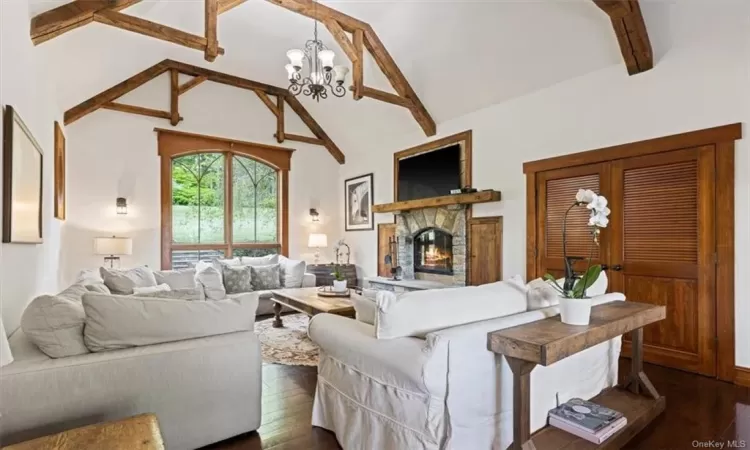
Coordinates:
x,y
151,289
210,280
540,294
89,276
176,279
194,294
99,287
238,279
123,281
260,260
291,272
266,277
365,306
54,323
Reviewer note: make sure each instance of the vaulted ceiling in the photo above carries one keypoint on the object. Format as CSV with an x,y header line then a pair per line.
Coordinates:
x,y
459,56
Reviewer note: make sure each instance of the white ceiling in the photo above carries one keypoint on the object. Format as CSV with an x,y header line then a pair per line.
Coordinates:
x,y
459,56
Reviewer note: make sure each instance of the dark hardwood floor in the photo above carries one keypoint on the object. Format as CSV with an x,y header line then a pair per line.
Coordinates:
x,y
698,409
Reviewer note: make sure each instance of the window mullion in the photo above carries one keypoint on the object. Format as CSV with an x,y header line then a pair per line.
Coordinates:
x,y
228,203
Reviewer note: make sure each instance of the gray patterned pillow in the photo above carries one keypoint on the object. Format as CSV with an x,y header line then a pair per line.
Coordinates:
x,y
266,277
194,294
237,279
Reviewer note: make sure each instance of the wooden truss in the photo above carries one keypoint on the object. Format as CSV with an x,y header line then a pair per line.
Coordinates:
x,y
630,29
273,97
73,15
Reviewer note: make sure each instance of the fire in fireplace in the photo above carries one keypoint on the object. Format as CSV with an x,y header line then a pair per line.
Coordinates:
x,y
433,252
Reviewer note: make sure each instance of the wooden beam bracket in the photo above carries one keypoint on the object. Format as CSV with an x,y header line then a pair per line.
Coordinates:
x,y
191,84
630,30
140,110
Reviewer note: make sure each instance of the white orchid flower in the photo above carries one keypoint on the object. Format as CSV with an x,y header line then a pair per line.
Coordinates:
x,y
598,203
598,220
585,196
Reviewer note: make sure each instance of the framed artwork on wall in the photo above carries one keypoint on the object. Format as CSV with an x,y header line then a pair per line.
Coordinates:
x,y
358,200
22,182
59,172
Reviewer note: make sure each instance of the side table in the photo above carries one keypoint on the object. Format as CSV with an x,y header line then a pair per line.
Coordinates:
x,y
547,341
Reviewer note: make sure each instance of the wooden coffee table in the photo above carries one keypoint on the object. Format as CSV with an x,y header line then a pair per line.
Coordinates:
x,y
307,301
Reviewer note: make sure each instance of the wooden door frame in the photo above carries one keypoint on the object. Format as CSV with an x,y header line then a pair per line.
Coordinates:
x,y
722,139
172,143
487,219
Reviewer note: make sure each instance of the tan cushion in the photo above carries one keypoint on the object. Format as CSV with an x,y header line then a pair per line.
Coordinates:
x,y
115,322
123,281
55,322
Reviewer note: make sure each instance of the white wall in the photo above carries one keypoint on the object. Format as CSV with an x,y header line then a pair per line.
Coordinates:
x,y
701,79
26,270
112,154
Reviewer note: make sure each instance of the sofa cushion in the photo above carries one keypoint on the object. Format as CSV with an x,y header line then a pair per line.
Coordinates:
x,y
89,276
209,278
195,294
259,260
291,272
151,289
6,357
176,279
123,281
420,312
55,322
365,306
115,322
266,277
237,279
99,287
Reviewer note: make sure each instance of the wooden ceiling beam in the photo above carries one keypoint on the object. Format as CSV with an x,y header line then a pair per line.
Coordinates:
x,y
70,16
174,97
358,67
387,97
152,29
388,66
116,91
211,17
132,109
268,102
339,35
106,99
305,139
316,129
186,86
226,5
630,30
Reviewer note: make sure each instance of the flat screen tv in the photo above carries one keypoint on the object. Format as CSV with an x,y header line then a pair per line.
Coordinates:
x,y
431,174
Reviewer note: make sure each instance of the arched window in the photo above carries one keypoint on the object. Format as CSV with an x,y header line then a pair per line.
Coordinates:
x,y
221,203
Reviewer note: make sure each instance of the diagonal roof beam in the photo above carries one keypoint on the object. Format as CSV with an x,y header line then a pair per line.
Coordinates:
x,y
70,16
630,30
106,99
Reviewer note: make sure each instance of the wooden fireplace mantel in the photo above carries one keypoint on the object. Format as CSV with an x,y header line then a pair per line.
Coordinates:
x,y
432,202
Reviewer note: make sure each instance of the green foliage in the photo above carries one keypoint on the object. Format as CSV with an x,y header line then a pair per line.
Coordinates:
x,y
337,275
585,282
198,180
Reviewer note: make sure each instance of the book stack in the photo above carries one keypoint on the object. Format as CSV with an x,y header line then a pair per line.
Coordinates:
x,y
587,420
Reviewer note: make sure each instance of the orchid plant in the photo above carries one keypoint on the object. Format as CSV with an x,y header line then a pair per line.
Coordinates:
x,y
575,286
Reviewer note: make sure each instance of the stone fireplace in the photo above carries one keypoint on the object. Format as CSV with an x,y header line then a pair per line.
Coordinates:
x,y
432,244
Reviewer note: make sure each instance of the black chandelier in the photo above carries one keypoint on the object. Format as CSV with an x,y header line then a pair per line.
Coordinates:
x,y
322,71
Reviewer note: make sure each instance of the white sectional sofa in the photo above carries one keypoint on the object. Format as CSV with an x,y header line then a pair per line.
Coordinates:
x,y
443,390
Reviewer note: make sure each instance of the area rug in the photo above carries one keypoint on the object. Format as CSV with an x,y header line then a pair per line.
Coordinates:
x,y
288,345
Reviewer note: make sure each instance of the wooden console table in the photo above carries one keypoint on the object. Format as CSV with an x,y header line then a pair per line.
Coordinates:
x,y
548,341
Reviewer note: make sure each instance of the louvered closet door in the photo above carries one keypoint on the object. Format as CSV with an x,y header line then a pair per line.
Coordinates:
x,y
662,234
556,192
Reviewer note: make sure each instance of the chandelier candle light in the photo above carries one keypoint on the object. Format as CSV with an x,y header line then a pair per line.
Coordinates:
x,y
322,71
575,307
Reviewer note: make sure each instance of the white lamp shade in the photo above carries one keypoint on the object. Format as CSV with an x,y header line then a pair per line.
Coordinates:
x,y
326,58
113,246
5,356
340,73
317,240
295,57
290,71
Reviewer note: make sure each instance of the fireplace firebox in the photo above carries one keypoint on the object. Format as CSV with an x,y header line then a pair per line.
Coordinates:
x,y
433,252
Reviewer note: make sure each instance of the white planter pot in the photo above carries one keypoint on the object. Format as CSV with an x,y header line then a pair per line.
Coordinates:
x,y
575,311
339,286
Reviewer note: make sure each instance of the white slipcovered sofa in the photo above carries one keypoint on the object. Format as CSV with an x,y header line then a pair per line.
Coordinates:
x,y
443,390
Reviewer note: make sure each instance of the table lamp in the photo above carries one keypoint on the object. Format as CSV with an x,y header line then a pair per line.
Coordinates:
x,y
317,241
113,247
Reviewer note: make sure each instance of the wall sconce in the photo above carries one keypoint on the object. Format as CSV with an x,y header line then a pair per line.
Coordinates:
x,y
122,206
315,215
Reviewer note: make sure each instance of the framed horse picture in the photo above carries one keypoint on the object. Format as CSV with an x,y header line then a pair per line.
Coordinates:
x,y
358,200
